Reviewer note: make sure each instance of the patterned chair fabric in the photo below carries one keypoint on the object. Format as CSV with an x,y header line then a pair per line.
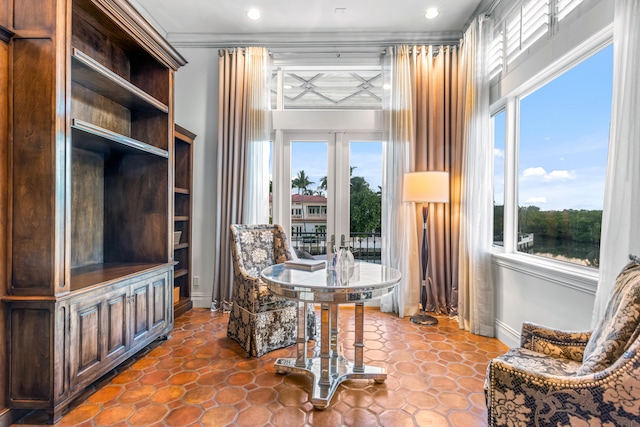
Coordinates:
x,y
559,378
259,320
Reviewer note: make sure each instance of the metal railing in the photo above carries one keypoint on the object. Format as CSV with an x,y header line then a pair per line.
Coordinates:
x,y
364,246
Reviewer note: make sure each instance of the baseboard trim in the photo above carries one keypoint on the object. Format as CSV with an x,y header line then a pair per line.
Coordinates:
x,y
10,416
507,334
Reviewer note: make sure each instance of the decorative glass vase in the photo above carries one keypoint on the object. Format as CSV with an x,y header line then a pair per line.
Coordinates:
x,y
342,265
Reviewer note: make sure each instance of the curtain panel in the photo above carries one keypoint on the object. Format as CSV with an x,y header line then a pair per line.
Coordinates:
x,y
398,233
475,178
437,146
242,128
424,131
620,220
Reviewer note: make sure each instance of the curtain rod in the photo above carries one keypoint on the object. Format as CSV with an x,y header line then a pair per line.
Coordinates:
x,y
338,53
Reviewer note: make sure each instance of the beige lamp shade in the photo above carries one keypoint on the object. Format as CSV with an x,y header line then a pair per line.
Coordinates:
x,y
430,186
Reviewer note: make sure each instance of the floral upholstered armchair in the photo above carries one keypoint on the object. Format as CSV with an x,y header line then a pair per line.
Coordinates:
x,y
260,321
561,378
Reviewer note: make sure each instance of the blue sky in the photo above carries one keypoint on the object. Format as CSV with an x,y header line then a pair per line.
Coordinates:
x,y
564,134
312,158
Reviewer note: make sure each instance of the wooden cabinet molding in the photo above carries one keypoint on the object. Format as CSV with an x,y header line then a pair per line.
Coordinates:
x,y
86,195
183,217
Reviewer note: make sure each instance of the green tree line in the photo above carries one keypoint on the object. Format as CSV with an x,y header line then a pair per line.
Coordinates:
x,y
581,226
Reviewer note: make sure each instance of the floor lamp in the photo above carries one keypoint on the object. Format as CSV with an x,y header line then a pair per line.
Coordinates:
x,y
425,188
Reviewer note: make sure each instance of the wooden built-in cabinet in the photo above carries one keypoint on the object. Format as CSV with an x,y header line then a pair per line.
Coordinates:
x,y
5,37
183,207
90,208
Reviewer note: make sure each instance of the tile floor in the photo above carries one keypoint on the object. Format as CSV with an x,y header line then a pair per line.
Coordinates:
x,y
200,378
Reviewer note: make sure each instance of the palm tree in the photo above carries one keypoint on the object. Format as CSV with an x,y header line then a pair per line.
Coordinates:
x,y
323,183
301,182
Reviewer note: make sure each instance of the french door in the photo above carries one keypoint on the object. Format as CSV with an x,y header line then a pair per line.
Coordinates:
x,y
314,174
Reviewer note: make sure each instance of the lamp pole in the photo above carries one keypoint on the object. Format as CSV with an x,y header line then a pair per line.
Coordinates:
x,y
425,187
423,318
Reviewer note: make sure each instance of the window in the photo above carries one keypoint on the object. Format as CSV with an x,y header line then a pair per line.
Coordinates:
x,y
309,137
357,88
563,134
498,178
314,210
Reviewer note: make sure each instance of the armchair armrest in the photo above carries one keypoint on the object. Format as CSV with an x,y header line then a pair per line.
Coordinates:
x,y
528,388
553,342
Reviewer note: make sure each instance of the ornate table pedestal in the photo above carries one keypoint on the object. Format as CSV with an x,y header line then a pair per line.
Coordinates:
x,y
330,368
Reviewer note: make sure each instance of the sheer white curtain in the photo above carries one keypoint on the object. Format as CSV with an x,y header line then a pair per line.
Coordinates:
x,y
398,218
620,216
256,196
475,304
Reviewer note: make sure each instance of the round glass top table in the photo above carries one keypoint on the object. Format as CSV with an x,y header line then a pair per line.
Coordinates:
x,y
325,287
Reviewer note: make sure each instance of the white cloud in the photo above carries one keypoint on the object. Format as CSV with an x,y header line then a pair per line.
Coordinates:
x,y
536,200
532,172
561,175
498,153
556,175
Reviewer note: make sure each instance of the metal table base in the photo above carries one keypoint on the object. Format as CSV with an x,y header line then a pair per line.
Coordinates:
x,y
331,368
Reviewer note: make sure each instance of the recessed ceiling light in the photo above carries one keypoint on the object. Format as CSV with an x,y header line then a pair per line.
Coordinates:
x,y
288,87
253,14
431,13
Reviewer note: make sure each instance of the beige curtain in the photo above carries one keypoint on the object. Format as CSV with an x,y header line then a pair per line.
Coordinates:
x,y
437,146
241,119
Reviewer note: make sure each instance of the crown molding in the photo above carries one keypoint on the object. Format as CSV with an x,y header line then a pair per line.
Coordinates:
x,y
322,40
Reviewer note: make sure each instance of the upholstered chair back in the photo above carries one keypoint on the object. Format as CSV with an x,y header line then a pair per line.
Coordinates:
x,y
620,325
259,246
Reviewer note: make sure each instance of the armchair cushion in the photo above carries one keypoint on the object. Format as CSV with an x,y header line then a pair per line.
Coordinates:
x,y
619,326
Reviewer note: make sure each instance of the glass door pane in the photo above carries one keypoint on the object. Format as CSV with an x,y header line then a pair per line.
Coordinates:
x,y
365,196
309,194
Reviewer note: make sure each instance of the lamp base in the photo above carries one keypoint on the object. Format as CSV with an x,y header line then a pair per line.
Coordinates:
x,y
424,319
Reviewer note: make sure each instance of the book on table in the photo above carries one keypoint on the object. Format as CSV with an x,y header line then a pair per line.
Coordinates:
x,y
305,264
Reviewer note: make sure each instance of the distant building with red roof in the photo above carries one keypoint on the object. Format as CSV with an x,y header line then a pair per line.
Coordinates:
x,y
308,213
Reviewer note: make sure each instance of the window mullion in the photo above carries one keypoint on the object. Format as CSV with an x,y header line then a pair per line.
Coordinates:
x,y
511,176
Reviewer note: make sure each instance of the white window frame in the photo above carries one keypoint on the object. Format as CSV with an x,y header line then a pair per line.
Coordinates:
x,y
567,274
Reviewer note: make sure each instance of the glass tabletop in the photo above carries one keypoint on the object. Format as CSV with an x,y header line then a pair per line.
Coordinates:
x,y
369,281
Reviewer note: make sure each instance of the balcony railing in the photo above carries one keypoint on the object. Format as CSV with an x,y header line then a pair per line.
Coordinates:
x,y
365,246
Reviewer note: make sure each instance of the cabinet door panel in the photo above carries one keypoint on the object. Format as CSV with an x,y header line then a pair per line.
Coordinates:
x,y
98,334
140,312
89,336
117,324
86,349
160,302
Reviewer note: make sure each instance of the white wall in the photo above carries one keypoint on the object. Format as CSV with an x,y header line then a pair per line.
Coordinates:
x,y
196,109
544,296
